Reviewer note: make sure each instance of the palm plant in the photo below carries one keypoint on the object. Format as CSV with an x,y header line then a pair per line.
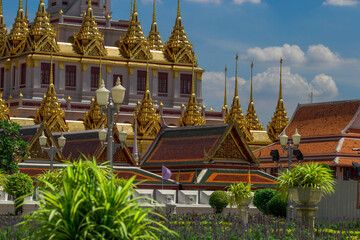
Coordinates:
x,y
89,205
238,193
311,175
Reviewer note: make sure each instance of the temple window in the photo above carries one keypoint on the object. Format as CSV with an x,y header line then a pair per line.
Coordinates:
x,y
2,79
185,83
95,78
70,78
23,76
115,77
141,80
45,74
163,84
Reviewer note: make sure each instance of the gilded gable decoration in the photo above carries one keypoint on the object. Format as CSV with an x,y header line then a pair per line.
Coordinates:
x,y
134,45
280,119
50,110
89,41
179,49
251,116
4,109
154,38
148,120
192,115
4,44
93,118
18,35
42,35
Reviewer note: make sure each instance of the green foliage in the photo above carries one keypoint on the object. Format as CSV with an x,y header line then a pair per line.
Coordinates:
x,y
121,182
237,193
12,147
19,185
218,201
88,205
262,197
277,206
55,178
310,175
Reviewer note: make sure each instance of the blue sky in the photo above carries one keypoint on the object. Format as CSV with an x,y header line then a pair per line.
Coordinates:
x,y
318,39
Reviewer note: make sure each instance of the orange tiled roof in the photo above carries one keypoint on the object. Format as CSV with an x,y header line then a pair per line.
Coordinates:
x,y
349,144
322,119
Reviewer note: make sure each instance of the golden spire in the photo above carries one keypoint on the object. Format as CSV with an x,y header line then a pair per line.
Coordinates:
x,y
94,119
26,10
100,72
42,34
154,38
4,109
280,119
179,49
225,106
4,49
19,31
192,115
89,41
235,114
50,110
147,119
131,9
134,45
251,116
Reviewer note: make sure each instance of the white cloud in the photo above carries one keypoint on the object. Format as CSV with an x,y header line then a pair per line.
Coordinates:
x,y
324,87
341,2
244,1
316,55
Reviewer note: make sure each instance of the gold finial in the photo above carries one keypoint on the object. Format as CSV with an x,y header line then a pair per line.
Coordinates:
x,y
211,109
3,32
21,95
108,17
154,38
100,72
131,9
61,12
203,107
235,113
18,33
251,116
280,119
178,10
192,115
26,9
89,4
225,97
4,109
1,8
154,13
148,121
68,99
182,105
161,104
10,97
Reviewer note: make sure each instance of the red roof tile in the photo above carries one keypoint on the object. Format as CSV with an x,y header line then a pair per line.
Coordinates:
x,y
349,144
321,119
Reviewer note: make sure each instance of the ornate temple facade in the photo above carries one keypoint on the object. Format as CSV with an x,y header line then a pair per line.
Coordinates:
x,y
80,34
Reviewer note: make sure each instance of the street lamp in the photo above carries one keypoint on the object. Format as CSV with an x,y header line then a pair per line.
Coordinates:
x,y
51,151
110,108
286,146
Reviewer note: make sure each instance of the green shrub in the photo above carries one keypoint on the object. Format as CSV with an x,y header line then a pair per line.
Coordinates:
x,y
262,198
55,178
277,206
218,201
237,193
19,185
88,205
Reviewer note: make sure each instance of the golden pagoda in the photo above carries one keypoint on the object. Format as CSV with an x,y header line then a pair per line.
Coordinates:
x,y
18,34
280,119
192,115
42,34
50,111
225,108
154,38
134,45
89,41
179,49
4,109
94,119
251,116
4,44
148,120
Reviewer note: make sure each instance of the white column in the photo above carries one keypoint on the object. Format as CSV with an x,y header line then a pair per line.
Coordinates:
x,y
176,86
36,76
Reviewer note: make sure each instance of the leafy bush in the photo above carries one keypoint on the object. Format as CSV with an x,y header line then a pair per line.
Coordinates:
x,y
88,205
310,175
238,193
218,201
19,185
55,178
262,198
277,206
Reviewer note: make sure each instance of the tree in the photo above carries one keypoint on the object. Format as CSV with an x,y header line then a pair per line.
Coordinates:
x,y
12,147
